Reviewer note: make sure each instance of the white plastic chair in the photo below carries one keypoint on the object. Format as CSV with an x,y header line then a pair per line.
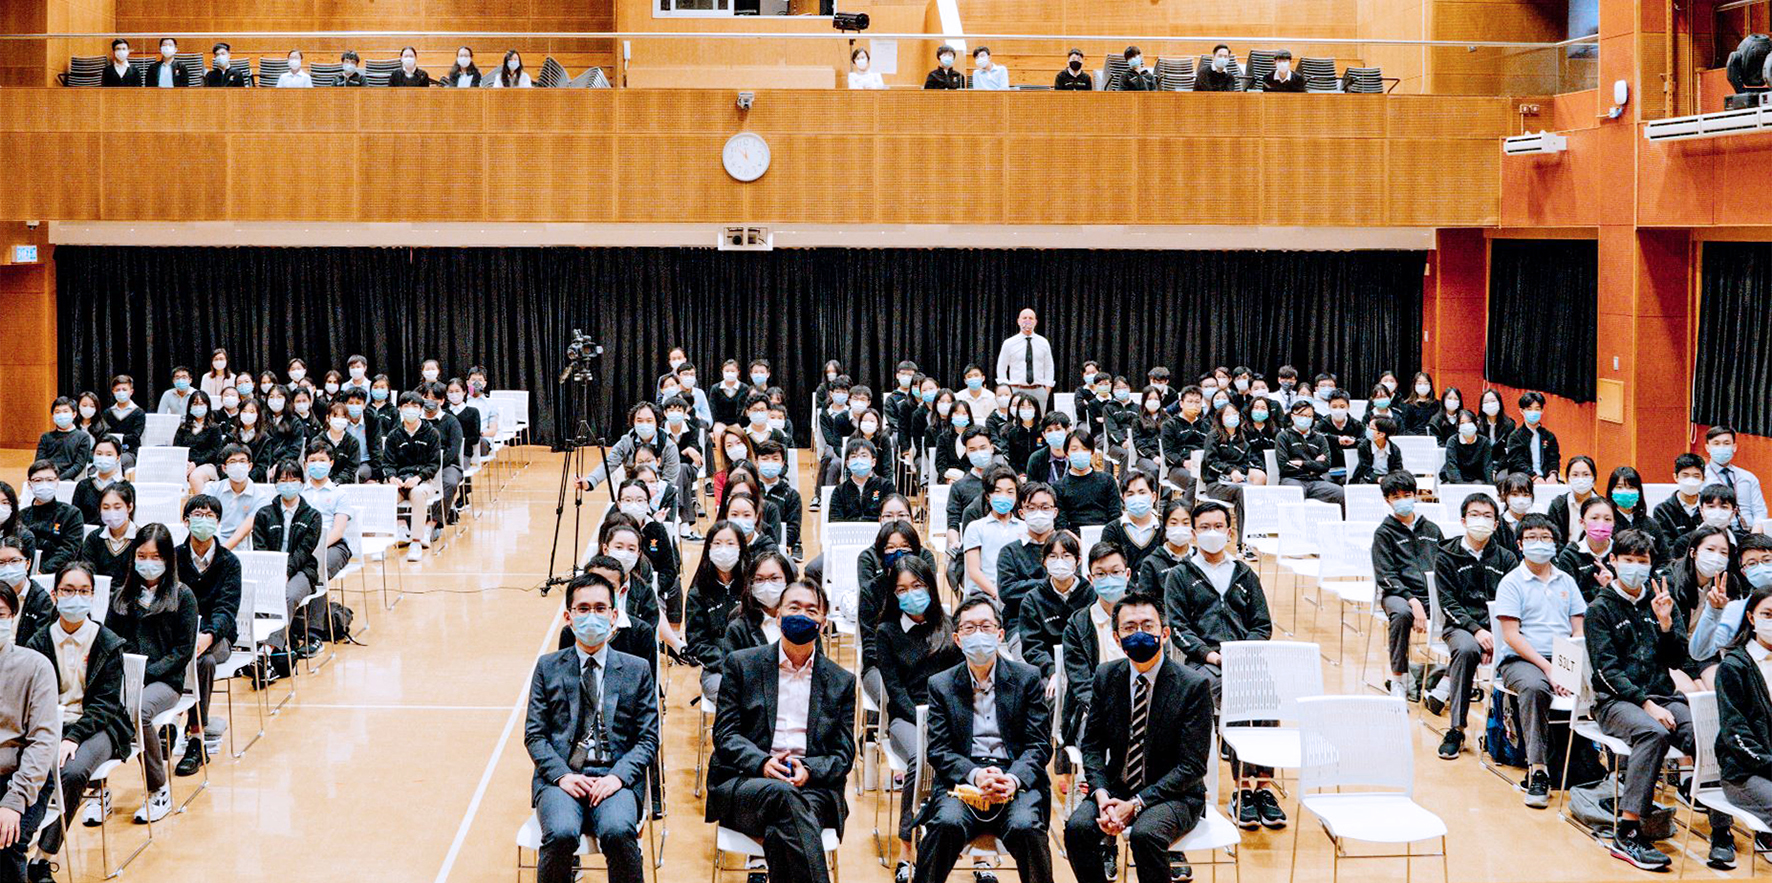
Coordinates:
x,y
1261,513
1346,570
1707,790
1365,502
1297,547
1363,743
377,511
1065,403
172,717
726,840
101,593
161,464
265,574
64,491
1572,671
135,673
1422,456
1090,534
158,431
1211,833
1263,681
1655,494
1543,494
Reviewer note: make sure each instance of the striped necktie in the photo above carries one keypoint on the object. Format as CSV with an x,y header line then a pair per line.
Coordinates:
x,y
1141,714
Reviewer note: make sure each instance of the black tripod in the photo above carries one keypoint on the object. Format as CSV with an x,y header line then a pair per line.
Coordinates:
x,y
577,450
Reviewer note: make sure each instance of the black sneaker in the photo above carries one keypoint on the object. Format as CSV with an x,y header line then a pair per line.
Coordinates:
x,y
1110,862
1763,842
1629,846
1722,851
757,877
40,870
1179,870
1452,744
1248,817
1267,806
1538,790
193,759
902,873
984,877
309,648
1434,705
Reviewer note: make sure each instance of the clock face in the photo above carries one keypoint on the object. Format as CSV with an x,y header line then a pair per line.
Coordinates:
x,y
746,156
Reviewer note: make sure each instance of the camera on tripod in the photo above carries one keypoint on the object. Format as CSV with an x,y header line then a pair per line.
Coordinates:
x,y
581,352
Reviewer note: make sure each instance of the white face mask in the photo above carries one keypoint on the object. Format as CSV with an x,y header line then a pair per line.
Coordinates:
x,y
1581,484
1135,63
514,64
408,63
868,426
1061,568
946,61
724,557
1220,62
1178,534
168,52
1480,527
1282,67
1212,541
1711,563
122,54
1688,486
983,62
1519,505
351,68
294,68
1491,408
1422,389
297,375
463,61
861,62
1717,516
221,61
87,411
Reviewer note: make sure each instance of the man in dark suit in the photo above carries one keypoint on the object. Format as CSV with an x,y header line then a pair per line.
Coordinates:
x,y
167,71
990,728
1283,79
782,742
223,76
1146,746
592,732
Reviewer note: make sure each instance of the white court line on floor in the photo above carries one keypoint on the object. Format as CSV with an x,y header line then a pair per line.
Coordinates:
x,y
398,707
467,820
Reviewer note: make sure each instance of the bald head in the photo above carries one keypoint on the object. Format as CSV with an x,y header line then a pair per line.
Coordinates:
x,y
1027,320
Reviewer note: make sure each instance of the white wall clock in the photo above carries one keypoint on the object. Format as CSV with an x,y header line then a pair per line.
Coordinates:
x,y
746,156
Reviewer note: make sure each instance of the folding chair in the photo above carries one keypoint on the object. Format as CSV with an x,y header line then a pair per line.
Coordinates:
x,y
1571,670
1346,570
245,652
266,573
1707,777
377,511
135,673
162,465
1262,684
171,717
726,840
1297,547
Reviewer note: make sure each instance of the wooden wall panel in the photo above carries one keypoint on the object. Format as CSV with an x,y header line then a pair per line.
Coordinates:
x,y
1441,183
164,110
64,185
291,110
1222,114
675,177
941,179
1328,181
1298,116
815,178
264,184
144,180
416,178
441,111
1447,117
1175,176
564,177
1101,191
542,111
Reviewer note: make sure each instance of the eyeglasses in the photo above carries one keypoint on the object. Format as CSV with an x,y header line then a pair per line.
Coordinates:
x,y
600,609
801,608
973,628
5,561
67,592
1131,628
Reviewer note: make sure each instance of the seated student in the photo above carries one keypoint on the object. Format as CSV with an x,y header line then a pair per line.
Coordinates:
x,y
167,72
347,459
1159,378
897,539
1216,76
239,496
1442,424
833,427
30,748
1377,456
286,433
1306,456
1230,462
1260,429
1585,556
120,72
715,591
1378,404
1564,510
409,74
1744,737
107,470
87,660
1535,603
999,416
985,75
771,467
464,75
455,397
1137,77
1048,463
108,549
200,432
1020,560
67,446
1470,459
124,420
685,436
1719,446
213,574
756,420
593,732
984,538
292,525
947,449
1495,426
1139,422
1184,433
1532,448
757,619
1403,550
222,74
156,615
336,512
1089,638
755,518
34,608
1419,406
1137,531
1467,570
1209,599
1341,430
511,74
1019,435
1073,78
1624,487
634,500
1086,496
384,407
87,415
449,434
1722,617
1045,608
251,435
1283,78
1146,750
295,77
915,643
858,499
989,727
1515,491
349,76
859,75
944,76
1177,545
1703,575
1635,635
782,756
229,413
57,527
410,456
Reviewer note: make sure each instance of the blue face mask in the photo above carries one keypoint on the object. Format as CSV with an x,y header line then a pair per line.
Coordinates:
x,y
860,467
1403,506
319,471
929,395
1138,505
914,602
978,459
980,647
63,419
839,398
289,490
380,395
1121,395
1258,415
770,469
975,383
1080,460
1001,503
1139,647
355,411
1538,551
1532,417
245,389
892,558
1110,588
1302,423
1633,574
182,385
960,421
74,608
1758,575
798,629
1055,438
592,629
745,525
1232,421
759,378
1381,403
150,570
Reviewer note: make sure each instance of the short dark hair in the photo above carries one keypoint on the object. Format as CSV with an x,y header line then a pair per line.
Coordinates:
x,y
1634,542
1477,499
1530,398
1131,52
1220,46
351,55
1105,549
589,581
768,447
972,432
979,601
1031,488
1055,419
202,501
1396,483
984,49
1688,460
228,451
219,47
114,44
1719,429
1386,425
40,466
824,603
1204,506
1286,54
944,49
1712,493
1596,501
321,446
1137,599
1533,521
859,446
1753,542
9,597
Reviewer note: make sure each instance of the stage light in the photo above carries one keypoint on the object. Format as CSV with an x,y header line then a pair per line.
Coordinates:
x,y
850,21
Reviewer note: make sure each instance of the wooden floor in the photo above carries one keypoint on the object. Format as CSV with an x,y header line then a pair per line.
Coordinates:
x,y
403,760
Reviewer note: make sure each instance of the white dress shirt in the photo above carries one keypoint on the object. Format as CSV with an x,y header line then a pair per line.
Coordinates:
x,y
1749,501
866,80
793,703
1012,362
1107,644
295,80
1219,575
71,653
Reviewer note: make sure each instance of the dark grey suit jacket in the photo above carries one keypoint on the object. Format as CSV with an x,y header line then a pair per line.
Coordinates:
x,y
1179,734
630,711
1022,714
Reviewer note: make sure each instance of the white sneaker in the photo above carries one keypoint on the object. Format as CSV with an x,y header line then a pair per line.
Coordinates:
x,y
415,553
159,805
97,811
1398,689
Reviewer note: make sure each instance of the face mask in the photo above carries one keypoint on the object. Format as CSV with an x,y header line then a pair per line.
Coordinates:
x,y
1598,532
1300,422
798,629
839,398
264,387
1232,421
408,64
304,406
1178,534
1162,388
1282,67
904,380
735,453
674,418
1061,568
1138,505
43,491
1002,503
5,513
276,406
1718,517
380,395
1711,563
1371,435
746,526
297,375
975,383
1212,541
288,490
1081,460
199,411
1403,506
1040,522
1140,647
979,647
928,395
1422,389
74,608
203,527
1633,574
221,61
1479,527
1467,431
1076,65
946,61
295,65
1381,403
247,418
409,414
319,471
1324,392
13,574
350,68
1532,417
105,463
1538,551
463,61
123,55
1338,413
230,403
150,570
237,472
338,424
1219,62
87,411
1054,438
646,431
983,61
1721,454
1691,486
960,421
759,378
860,467
978,459
1758,575
1763,631
63,419
914,602
856,407
430,375
771,469
868,427
1581,484
724,557
122,396
942,409
688,381
1219,404
1152,406
113,518
1626,498
627,557
1491,408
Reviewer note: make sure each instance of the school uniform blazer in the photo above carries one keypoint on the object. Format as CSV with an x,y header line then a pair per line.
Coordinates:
x,y
1744,711
59,528
165,632
305,533
708,618
181,74
1226,454
630,714
1200,620
1497,433
1468,463
131,76
1363,473
231,77
1178,735
39,611
101,708
1042,618
1081,656
1022,715
1151,571
744,728
1519,452
1041,463
217,589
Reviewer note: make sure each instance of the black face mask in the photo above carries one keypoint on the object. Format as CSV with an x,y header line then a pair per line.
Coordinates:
x,y
1076,65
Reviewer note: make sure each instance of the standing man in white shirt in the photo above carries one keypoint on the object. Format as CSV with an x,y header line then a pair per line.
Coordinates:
x,y
1719,443
1025,362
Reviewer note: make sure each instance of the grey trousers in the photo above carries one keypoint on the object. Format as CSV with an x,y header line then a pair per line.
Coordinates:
x,y
1402,620
299,587
1318,489
450,477
218,653
1466,653
1753,794
903,734
76,773
1533,692
156,699
874,686
1649,742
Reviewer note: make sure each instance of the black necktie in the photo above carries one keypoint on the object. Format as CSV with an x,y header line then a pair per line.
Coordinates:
x,y
590,723
1141,714
1728,477
1029,377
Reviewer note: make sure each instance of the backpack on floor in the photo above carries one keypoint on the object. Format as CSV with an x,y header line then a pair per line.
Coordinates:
x,y
1591,805
1501,732
340,617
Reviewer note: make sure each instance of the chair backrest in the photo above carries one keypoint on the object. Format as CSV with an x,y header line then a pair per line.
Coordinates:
x,y
135,676
85,71
270,69
1089,535
1367,80
101,593
1706,721
1263,680
552,74
162,464
1543,494
1270,460
325,72
159,502
1419,453
1261,63
938,510
1298,526
1361,742
841,576
590,79
376,72
158,431
1436,615
1656,494
1261,507
1319,76
1235,69
1175,74
1365,502
1346,549
1452,496
1112,69
1065,403
64,491
852,533
264,575
377,507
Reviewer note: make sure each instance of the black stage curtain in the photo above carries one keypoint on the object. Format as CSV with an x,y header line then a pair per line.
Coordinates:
x,y
1732,367
1544,313
144,310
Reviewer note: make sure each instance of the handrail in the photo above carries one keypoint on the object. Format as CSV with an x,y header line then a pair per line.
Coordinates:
x,y
821,35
